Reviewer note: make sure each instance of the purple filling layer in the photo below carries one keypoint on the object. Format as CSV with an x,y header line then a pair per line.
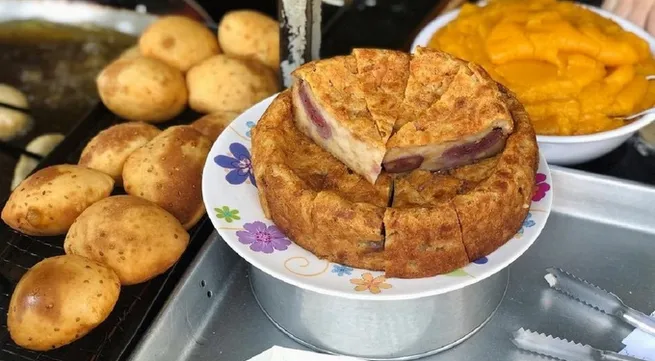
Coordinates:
x,y
404,164
313,113
452,157
471,150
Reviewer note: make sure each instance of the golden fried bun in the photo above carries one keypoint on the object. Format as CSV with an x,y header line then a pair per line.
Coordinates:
x,y
223,83
178,41
135,237
49,201
59,300
109,149
168,172
142,89
251,35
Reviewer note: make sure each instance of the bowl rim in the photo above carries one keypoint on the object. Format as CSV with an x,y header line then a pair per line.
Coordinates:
x,y
423,37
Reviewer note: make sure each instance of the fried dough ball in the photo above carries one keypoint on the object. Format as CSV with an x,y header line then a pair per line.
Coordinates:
x,y
109,149
49,201
136,238
142,89
224,83
59,300
178,41
250,34
168,172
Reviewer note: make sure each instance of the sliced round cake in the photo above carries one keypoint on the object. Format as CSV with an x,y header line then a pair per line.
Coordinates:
x,y
317,158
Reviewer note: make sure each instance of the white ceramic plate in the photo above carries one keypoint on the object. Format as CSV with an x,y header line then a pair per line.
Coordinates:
x,y
230,196
567,150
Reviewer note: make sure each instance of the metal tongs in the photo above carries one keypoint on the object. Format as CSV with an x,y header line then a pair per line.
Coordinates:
x,y
590,295
563,349
596,297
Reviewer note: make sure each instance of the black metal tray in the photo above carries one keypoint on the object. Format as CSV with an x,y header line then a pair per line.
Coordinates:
x,y
114,338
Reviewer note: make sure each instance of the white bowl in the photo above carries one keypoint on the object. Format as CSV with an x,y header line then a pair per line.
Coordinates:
x,y
568,150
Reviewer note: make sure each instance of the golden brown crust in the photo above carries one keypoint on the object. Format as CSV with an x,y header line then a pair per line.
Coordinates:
x,y
423,242
383,76
142,89
430,74
423,188
438,222
59,300
310,195
179,41
168,172
289,202
494,211
225,83
467,103
250,34
336,89
136,238
346,232
48,202
109,149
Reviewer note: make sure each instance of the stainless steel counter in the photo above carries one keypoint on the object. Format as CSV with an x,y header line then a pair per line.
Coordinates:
x,y
601,229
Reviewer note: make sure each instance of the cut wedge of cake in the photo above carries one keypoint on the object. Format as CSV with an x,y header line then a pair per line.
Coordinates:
x,y
383,76
382,109
330,108
461,118
312,196
417,224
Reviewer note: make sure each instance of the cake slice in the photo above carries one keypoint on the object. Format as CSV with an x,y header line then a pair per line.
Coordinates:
x,y
430,74
506,193
422,241
330,108
461,119
312,197
383,76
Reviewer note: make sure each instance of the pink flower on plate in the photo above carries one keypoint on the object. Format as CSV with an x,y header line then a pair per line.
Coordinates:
x,y
263,238
541,187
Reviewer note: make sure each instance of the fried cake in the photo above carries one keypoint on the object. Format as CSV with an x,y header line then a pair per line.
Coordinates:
x,y
505,194
468,195
331,109
314,198
488,200
376,109
412,225
383,75
449,122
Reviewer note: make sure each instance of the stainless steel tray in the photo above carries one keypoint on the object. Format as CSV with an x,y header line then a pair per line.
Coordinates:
x,y
601,229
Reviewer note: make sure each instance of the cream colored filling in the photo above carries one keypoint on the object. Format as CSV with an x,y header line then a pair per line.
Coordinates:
x,y
359,156
432,154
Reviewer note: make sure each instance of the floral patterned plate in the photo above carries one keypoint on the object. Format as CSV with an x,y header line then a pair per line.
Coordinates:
x,y
230,196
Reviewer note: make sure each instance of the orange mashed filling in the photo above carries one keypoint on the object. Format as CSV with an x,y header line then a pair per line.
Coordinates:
x,y
574,70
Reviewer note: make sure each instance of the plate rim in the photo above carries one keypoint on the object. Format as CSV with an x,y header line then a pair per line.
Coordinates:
x,y
254,114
